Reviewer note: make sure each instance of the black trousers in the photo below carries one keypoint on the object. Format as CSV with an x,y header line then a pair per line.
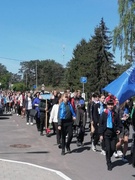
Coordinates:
x,y
28,116
42,121
66,129
95,135
54,128
58,133
80,133
37,122
8,109
110,145
18,109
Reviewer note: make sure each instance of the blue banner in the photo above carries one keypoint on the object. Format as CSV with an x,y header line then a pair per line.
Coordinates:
x,y
46,95
124,86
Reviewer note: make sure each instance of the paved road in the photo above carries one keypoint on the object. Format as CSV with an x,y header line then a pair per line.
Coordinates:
x,y
38,157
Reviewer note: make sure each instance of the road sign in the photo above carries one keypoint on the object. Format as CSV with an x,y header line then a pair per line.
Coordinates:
x,y
34,86
83,79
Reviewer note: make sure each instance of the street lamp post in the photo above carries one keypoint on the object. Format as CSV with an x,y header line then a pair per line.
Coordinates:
x,y
36,76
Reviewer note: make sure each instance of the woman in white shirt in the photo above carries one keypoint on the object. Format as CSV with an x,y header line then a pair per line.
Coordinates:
x,y
54,119
28,107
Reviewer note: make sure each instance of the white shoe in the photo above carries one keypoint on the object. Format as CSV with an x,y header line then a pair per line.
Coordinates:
x,y
31,123
124,159
115,155
93,148
27,123
103,152
120,154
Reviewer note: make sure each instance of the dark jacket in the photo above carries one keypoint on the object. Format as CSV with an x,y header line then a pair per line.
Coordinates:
x,y
103,124
26,102
42,106
54,101
91,110
96,113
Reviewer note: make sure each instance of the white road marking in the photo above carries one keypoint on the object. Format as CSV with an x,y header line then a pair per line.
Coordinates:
x,y
40,167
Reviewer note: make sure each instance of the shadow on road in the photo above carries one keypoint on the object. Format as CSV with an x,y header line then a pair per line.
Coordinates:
x,y
3,118
81,149
87,143
34,152
38,152
119,162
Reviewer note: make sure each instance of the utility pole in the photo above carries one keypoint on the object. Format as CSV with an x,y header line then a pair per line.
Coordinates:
x,y
26,79
63,54
36,76
63,58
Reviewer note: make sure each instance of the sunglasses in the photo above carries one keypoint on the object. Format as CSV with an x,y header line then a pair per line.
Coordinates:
x,y
66,96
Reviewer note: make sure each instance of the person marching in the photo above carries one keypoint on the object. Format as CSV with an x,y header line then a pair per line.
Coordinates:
x,y
28,107
94,123
109,128
97,112
80,119
44,109
35,105
54,100
66,115
54,119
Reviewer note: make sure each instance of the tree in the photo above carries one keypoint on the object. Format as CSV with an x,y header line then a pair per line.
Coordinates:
x,y
20,86
48,72
28,71
124,33
78,65
5,77
51,73
93,60
104,62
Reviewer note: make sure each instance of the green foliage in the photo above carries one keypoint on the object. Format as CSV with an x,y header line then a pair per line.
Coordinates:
x,y
49,73
93,60
124,33
4,77
19,87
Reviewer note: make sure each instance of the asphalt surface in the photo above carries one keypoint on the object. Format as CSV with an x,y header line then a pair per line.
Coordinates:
x,y
25,155
15,141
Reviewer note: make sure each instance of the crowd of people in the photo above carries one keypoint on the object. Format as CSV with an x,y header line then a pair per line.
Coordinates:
x,y
110,125
67,113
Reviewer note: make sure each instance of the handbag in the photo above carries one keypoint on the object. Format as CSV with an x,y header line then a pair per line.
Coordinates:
x,y
33,112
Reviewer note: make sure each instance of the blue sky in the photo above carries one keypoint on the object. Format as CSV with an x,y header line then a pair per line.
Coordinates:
x,y
49,29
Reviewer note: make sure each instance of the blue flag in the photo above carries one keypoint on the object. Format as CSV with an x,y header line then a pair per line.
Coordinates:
x,y
124,86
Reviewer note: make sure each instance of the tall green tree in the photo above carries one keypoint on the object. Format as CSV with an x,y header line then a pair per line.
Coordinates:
x,y
104,59
77,66
124,33
94,60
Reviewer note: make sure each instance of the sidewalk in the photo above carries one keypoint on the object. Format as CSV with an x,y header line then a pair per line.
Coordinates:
x,y
13,170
